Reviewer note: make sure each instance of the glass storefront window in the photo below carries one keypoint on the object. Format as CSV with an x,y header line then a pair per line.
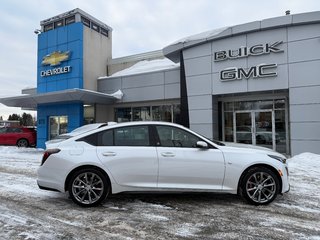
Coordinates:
x,y
176,113
263,105
123,114
280,126
88,114
162,113
166,113
57,125
280,104
141,114
228,106
242,105
228,126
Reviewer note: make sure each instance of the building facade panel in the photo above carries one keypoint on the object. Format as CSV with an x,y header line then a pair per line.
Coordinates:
x,y
304,50
305,131
200,116
281,81
197,66
304,74
300,32
227,87
172,76
172,91
143,94
205,129
298,146
109,85
200,102
199,85
150,79
305,95
198,51
304,113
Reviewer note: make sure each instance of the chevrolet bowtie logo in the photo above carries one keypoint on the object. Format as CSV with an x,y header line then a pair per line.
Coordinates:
x,y
55,58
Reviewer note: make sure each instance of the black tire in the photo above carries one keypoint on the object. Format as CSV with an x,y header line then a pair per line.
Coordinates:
x,y
88,187
22,143
260,186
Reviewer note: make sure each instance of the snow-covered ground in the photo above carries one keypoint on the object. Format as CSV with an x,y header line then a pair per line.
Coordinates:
x,y
27,212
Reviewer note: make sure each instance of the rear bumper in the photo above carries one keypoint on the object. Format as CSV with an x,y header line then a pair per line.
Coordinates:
x,y
47,188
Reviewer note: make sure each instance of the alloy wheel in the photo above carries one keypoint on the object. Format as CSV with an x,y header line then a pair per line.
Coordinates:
x,y
261,187
87,188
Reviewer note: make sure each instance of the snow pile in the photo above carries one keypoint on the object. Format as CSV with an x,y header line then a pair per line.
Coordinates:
x,y
304,175
145,67
305,163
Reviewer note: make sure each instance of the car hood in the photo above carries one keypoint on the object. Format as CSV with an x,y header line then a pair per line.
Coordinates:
x,y
242,145
249,148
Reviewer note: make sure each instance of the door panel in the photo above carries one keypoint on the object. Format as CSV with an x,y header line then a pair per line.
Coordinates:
x,y
129,156
190,168
131,166
184,166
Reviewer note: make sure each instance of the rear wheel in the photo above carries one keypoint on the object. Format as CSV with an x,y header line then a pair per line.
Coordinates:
x,y
260,186
88,187
22,143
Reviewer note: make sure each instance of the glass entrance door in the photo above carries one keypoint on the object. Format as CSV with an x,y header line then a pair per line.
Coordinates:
x,y
255,127
57,125
243,121
264,129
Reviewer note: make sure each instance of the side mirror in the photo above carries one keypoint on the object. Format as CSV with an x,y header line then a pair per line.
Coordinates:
x,y
202,144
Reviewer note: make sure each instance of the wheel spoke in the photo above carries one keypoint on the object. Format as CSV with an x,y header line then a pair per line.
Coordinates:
x,y
269,185
268,178
250,189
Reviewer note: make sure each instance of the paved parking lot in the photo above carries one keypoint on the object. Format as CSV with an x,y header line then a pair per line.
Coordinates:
x,y
27,212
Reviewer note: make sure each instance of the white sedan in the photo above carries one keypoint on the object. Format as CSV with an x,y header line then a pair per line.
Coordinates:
x,y
154,157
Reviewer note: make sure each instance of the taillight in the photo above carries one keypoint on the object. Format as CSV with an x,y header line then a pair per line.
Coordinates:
x,y
47,153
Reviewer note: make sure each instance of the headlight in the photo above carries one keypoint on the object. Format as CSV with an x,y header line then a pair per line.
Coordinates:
x,y
281,159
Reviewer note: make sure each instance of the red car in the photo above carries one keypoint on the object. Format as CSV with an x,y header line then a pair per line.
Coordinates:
x,y
19,136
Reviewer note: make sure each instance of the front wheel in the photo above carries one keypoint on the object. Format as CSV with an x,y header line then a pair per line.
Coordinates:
x,y
260,186
88,187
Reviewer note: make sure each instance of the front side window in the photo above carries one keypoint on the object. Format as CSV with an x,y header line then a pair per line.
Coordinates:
x,y
131,136
175,137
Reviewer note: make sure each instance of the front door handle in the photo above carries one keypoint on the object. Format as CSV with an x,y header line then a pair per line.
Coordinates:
x,y
168,154
109,154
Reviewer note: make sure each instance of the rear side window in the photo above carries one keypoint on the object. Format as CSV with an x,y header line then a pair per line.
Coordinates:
x,y
105,138
124,136
14,130
91,139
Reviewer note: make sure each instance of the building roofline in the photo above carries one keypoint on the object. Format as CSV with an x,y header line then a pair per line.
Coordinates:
x,y
73,12
137,57
173,50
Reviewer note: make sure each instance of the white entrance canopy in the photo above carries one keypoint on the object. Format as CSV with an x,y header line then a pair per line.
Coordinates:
x,y
70,95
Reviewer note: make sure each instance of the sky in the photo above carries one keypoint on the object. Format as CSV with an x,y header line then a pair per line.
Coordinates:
x,y
138,26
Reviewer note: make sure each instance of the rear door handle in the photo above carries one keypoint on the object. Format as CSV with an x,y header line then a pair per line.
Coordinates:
x,y
109,154
168,154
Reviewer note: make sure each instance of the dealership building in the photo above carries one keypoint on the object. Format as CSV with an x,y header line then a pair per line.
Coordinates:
x,y
255,83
